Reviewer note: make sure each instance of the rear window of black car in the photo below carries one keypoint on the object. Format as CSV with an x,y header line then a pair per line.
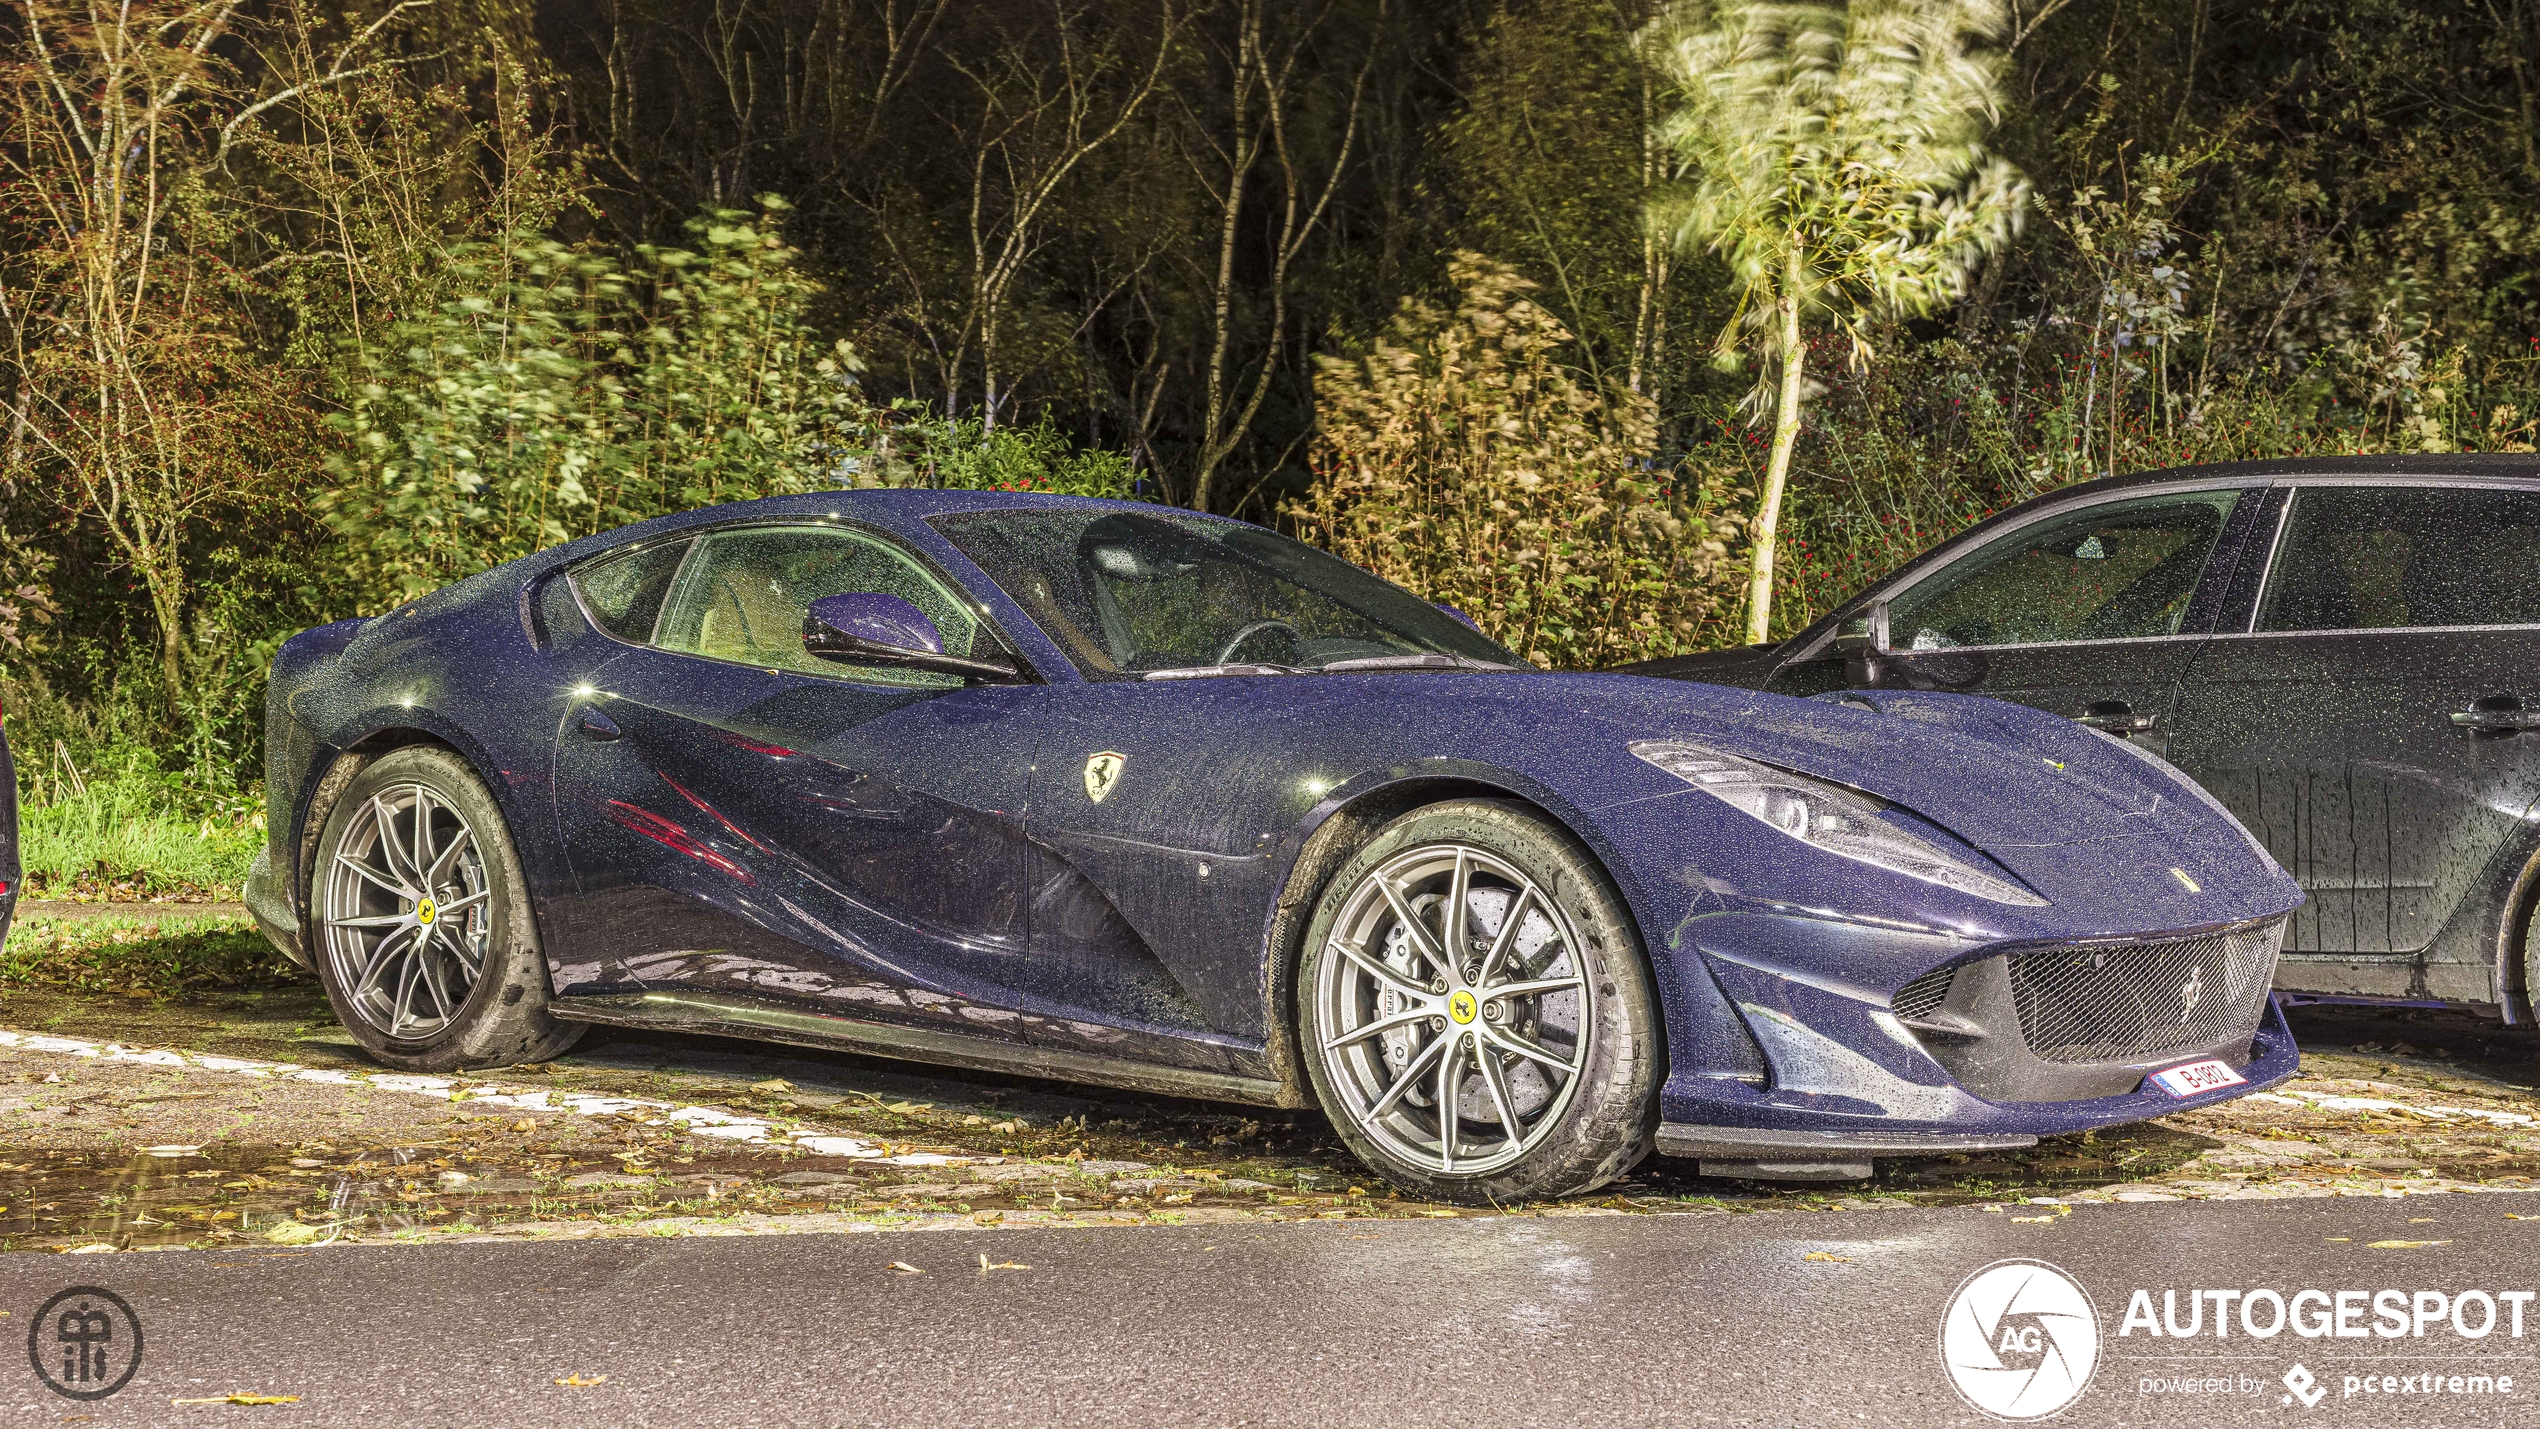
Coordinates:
x,y
1129,592
2405,557
623,591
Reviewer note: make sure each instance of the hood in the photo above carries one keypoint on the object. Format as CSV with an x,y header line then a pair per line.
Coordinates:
x,y
1998,775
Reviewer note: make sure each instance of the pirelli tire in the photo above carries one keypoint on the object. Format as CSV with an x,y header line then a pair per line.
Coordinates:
x,y
1531,1019
420,921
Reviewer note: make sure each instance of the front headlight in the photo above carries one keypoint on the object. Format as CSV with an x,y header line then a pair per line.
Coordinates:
x,y
1827,816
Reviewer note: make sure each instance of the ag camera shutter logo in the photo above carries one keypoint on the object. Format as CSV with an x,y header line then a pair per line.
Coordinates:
x,y
2020,1340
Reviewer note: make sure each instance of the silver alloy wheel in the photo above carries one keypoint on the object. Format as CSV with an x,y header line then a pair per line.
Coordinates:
x,y
1457,1044
403,912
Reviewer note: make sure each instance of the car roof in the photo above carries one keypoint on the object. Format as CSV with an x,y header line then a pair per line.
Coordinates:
x,y
2251,473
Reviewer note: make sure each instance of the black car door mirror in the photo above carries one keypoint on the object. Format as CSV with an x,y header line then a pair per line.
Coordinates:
x,y
1863,634
865,628
1862,642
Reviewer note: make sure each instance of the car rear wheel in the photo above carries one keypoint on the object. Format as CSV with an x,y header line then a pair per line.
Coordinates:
x,y
423,929
1476,1014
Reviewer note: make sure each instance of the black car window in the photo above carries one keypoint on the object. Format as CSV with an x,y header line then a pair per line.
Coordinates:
x,y
2387,558
2122,570
743,595
622,591
1129,592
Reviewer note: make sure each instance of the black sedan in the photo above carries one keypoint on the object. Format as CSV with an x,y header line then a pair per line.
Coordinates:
x,y
2344,651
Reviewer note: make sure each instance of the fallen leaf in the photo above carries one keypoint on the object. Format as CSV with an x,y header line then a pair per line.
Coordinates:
x,y
242,1397
2508,1216
293,1233
986,1265
2405,1244
2419,1220
100,1248
772,1084
2032,1220
1833,1258
579,1381
524,1124
904,1268
2341,1237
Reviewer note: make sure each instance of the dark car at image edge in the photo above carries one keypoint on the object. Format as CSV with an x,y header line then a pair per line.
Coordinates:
x,y
2344,651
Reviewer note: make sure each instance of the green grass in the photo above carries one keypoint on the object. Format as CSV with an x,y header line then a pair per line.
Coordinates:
x,y
162,958
132,829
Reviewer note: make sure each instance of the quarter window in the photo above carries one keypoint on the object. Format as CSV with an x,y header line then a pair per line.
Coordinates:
x,y
623,592
744,593
2123,570
2389,558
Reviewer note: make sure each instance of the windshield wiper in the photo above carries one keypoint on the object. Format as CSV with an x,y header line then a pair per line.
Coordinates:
x,y
1432,661
1211,672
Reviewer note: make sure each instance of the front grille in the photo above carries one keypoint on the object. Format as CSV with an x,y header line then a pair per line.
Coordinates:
x,y
1923,996
2143,999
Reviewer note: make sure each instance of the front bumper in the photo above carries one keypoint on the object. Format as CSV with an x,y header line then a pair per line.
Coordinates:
x,y
1849,1079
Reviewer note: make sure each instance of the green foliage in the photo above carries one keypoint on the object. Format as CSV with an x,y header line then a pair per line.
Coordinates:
x,y
129,822
912,446
1458,458
561,394
1837,163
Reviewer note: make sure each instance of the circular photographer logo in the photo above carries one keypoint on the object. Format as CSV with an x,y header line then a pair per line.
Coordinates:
x,y
85,1343
2020,1340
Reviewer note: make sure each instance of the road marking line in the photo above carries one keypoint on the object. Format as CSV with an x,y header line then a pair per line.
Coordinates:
x,y
697,1120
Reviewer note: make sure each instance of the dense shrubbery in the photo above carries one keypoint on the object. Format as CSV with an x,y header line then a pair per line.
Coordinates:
x,y
391,294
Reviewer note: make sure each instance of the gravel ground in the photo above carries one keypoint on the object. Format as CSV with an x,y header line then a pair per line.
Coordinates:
x,y
255,1118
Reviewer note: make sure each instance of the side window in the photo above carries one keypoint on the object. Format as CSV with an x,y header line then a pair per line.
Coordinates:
x,y
2388,558
623,592
743,595
2124,570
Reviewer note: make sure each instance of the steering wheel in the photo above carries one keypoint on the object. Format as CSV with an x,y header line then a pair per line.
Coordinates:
x,y
1226,656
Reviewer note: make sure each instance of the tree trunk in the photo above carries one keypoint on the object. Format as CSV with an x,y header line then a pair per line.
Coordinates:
x,y
167,604
1759,600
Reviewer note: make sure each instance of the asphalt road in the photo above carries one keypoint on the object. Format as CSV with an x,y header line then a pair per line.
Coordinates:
x,y
1668,1320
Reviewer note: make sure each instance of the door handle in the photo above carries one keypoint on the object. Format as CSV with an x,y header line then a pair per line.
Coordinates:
x,y
2497,714
595,725
2117,717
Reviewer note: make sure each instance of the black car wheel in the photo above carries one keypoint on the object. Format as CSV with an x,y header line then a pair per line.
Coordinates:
x,y
1475,1010
424,934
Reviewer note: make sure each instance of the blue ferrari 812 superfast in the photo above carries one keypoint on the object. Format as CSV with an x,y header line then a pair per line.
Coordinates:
x,y
1125,795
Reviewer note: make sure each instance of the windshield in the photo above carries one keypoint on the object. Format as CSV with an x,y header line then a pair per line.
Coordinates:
x,y
1129,594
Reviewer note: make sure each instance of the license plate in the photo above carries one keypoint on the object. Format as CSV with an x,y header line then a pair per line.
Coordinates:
x,y
2196,1078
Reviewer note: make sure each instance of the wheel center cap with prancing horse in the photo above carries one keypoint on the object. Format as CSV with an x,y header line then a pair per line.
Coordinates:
x,y
425,913
1461,1006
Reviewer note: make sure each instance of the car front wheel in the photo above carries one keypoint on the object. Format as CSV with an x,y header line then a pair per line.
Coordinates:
x,y
424,934
1477,1016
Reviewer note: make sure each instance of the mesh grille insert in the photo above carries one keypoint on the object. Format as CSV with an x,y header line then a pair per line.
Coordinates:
x,y
2104,1004
1923,996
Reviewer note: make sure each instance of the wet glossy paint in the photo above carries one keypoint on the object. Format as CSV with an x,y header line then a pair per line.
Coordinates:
x,y
937,857
2414,840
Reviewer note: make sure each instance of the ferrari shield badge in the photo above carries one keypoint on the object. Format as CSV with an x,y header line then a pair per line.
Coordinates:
x,y
1101,772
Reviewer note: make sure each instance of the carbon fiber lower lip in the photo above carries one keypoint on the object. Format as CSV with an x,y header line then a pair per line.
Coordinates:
x,y
1737,1143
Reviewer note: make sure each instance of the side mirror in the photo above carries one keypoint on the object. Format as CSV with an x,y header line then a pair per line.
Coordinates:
x,y
1864,634
862,628
1461,618
1862,642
